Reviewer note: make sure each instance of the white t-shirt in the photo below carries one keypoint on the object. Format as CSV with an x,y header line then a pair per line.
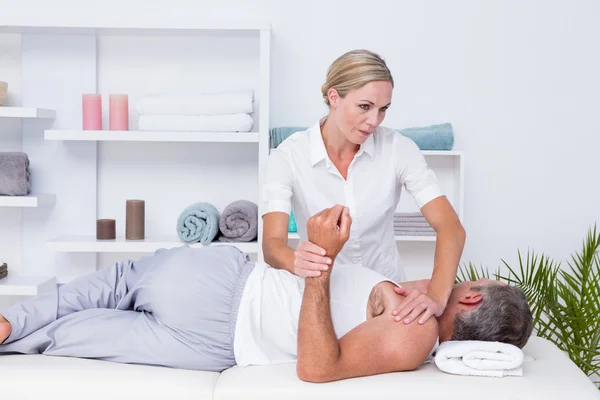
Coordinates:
x,y
300,176
266,330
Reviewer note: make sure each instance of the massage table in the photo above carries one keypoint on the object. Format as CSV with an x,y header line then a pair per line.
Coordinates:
x,y
547,374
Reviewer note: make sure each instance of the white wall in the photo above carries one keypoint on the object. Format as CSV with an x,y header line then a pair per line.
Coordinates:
x,y
518,80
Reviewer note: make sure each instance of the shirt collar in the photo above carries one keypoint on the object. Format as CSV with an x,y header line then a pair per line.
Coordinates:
x,y
317,146
318,151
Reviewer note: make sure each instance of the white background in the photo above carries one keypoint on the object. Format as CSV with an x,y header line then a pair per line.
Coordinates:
x,y
519,81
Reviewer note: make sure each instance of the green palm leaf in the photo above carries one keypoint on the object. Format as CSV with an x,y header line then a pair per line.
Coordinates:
x,y
565,301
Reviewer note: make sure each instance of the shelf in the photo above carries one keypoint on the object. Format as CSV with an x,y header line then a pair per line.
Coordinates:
x,y
89,244
151,136
25,285
34,200
24,112
399,238
127,26
441,153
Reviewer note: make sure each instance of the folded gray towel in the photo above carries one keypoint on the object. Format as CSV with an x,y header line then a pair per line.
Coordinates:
x,y
14,174
239,222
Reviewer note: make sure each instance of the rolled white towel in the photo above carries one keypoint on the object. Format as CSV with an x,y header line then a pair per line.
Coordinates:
x,y
239,102
479,358
196,123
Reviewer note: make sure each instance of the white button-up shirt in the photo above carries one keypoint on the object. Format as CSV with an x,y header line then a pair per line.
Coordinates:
x,y
300,176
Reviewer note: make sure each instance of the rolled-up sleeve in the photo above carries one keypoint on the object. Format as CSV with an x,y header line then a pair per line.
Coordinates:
x,y
277,189
414,173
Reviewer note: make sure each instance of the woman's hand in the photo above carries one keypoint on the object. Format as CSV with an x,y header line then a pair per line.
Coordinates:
x,y
416,304
310,260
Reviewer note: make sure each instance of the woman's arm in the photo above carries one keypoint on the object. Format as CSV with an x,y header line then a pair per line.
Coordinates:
x,y
449,245
450,242
421,182
306,261
276,251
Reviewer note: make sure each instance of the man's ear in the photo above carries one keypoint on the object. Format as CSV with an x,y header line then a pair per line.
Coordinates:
x,y
471,298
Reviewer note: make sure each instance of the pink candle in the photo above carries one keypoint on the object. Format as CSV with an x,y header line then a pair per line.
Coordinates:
x,y
91,112
118,112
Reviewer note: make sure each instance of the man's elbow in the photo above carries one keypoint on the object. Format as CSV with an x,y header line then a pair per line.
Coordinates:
x,y
313,373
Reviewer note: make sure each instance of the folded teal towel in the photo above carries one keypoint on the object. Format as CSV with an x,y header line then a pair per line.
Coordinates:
x,y
433,137
198,222
278,135
292,223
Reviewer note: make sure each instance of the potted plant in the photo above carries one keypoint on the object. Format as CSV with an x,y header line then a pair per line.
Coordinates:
x,y
564,300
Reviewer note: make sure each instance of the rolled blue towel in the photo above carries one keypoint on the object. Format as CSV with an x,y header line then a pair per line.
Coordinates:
x,y
14,174
239,222
432,137
198,222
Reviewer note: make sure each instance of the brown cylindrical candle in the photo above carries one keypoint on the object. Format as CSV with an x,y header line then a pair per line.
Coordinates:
x,y
105,229
135,220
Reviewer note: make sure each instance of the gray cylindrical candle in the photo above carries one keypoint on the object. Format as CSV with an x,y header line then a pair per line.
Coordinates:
x,y
105,229
135,220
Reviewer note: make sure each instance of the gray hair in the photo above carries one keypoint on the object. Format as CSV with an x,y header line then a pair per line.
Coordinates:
x,y
503,316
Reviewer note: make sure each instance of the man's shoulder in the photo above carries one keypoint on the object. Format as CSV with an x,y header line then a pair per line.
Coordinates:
x,y
413,342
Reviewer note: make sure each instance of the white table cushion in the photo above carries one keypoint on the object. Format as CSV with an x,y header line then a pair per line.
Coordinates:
x,y
550,375
42,377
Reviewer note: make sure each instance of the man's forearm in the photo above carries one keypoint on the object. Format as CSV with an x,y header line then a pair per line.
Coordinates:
x,y
449,247
318,347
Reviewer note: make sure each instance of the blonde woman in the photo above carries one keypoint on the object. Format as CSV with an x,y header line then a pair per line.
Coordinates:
x,y
348,158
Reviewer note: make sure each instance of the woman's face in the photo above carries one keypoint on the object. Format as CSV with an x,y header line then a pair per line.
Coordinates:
x,y
362,110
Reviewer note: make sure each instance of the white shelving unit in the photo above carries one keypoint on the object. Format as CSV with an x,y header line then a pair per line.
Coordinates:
x,y
26,285
399,238
25,112
67,157
89,244
33,200
70,155
16,285
152,136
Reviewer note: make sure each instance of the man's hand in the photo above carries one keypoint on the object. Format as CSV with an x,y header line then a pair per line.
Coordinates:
x,y
330,229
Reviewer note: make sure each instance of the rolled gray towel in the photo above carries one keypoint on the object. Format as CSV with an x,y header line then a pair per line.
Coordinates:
x,y
14,174
239,222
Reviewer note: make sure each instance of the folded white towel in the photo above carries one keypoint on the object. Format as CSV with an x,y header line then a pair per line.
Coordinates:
x,y
197,104
196,123
479,358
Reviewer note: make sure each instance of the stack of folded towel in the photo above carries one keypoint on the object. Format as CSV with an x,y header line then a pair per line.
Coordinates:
x,y
14,174
201,222
3,270
202,112
432,137
412,224
479,358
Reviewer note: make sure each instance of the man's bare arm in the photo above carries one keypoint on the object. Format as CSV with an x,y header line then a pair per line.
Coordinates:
x,y
376,346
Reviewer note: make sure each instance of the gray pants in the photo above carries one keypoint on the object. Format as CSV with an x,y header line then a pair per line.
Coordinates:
x,y
176,308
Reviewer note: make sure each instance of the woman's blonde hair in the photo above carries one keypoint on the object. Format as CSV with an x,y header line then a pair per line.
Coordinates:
x,y
353,70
